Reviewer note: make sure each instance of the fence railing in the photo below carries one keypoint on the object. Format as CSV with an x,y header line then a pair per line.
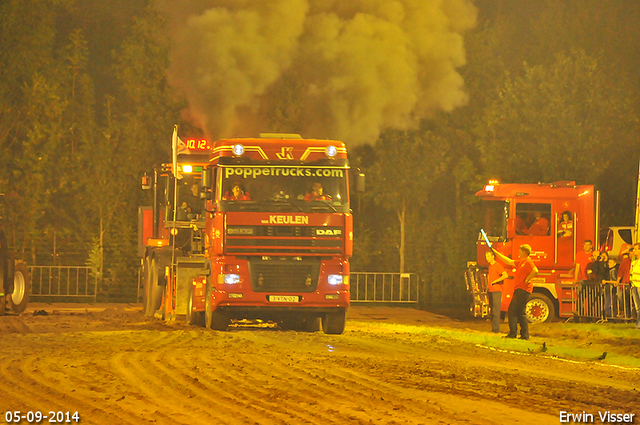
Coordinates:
x,y
603,302
57,282
384,287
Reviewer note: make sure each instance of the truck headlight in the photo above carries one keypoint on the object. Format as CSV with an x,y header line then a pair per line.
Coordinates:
x,y
335,279
231,279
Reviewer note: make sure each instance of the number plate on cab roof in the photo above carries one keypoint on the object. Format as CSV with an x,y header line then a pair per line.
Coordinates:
x,y
283,298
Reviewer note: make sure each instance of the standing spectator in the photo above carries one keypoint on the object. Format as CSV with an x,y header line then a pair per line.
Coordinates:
x,y
583,258
635,280
495,279
525,271
624,278
611,279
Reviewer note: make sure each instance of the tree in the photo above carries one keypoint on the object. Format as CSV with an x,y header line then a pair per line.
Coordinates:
x,y
556,122
409,162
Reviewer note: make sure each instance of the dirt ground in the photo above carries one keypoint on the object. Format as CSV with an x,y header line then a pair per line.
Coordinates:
x,y
391,366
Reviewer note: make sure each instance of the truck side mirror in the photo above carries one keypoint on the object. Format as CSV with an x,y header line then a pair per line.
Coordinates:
x,y
205,184
146,182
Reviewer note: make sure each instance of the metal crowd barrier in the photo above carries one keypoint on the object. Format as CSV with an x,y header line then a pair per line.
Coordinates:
x,y
623,302
602,302
384,287
476,281
63,282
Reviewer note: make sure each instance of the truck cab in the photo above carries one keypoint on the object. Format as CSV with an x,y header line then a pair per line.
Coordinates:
x,y
554,219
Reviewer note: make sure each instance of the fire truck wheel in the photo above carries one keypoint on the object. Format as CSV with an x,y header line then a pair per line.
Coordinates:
x,y
539,309
19,298
214,319
333,323
194,317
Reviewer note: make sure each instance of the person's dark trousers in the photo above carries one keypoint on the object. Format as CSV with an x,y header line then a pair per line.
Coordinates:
x,y
496,301
517,314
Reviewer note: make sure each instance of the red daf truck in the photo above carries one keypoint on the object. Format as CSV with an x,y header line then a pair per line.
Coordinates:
x,y
554,219
272,240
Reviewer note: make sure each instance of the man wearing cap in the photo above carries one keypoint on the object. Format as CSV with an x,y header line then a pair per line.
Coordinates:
x,y
525,271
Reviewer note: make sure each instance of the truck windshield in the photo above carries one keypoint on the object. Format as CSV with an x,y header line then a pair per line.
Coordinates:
x,y
494,219
284,188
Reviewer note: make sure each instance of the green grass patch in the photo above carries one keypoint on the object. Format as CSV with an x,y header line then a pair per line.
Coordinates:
x,y
554,346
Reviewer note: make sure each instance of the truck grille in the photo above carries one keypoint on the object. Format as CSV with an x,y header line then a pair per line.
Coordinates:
x,y
284,275
282,240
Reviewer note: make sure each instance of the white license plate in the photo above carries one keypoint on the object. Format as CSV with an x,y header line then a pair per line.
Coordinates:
x,y
284,298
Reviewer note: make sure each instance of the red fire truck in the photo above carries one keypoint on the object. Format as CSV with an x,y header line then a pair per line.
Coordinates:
x,y
271,240
554,219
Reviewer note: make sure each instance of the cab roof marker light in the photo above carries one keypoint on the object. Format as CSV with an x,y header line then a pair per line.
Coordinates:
x,y
238,149
331,151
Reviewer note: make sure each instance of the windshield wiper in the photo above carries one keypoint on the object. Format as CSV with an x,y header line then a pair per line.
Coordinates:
x,y
288,202
328,204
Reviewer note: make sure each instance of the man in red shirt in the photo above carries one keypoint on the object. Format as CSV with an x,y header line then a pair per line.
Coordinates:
x,y
525,271
317,194
540,227
623,287
583,258
495,278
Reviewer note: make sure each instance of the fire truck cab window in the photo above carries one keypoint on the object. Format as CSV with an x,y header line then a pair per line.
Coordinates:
x,y
494,219
533,219
188,200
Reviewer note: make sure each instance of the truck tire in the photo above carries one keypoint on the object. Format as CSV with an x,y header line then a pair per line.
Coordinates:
x,y
333,323
539,309
19,298
214,319
153,292
193,317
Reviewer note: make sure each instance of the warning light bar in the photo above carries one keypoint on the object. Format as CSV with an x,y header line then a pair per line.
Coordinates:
x,y
491,186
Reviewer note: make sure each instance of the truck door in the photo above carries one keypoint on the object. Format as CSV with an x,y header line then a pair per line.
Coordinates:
x,y
535,226
566,229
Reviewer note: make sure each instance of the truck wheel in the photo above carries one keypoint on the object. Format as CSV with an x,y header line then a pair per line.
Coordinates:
x,y
193,317
214,319
153,291
19,298
539,309
311,324
333,323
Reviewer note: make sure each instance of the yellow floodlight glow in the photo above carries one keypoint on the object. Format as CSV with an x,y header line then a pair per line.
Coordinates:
x,y
187,169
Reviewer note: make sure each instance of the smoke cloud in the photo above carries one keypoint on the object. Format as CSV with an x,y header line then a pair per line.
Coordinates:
x,y
338,69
